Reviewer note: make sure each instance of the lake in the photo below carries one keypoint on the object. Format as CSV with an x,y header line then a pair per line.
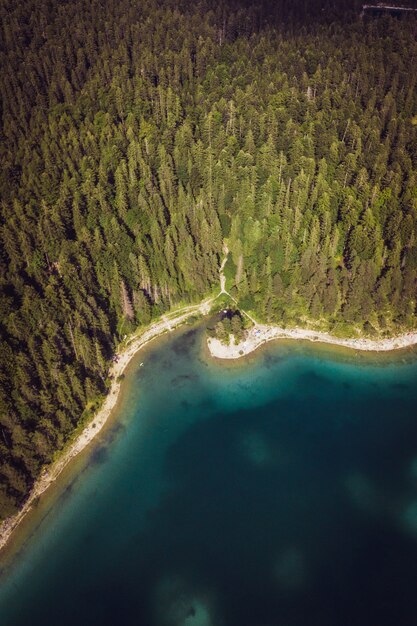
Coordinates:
x,y
276,491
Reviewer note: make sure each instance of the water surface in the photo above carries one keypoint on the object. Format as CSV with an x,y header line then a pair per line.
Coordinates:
x,y
279,492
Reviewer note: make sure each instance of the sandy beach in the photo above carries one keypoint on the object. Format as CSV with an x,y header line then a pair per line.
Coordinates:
x,y
167,323
260,334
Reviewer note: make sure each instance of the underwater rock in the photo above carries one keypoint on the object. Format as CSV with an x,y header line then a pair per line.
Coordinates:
x,y
177,605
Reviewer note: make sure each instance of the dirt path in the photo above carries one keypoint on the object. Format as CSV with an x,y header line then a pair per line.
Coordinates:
x,y
221,271
223,284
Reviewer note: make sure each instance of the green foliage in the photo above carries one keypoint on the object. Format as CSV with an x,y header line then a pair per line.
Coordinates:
x,y
138,135
230,323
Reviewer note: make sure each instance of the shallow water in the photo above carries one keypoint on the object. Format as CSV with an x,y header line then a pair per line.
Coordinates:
x,y
279,492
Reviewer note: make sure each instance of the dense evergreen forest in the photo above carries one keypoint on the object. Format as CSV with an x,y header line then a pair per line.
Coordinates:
x,y
137,135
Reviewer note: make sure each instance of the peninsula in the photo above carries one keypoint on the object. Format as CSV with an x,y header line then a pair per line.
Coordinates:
x,y
261,334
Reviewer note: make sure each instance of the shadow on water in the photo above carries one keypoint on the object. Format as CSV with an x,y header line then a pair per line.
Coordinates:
x,y
183,344
100,452
311,377
183,379
99,455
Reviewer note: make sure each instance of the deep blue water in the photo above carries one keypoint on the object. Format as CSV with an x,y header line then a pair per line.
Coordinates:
x,y
281,492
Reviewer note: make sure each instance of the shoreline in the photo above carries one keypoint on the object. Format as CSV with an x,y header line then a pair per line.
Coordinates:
x,y
167,323
257,336
260,334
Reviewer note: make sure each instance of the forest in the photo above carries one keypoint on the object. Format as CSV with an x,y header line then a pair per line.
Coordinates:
x,y
138,135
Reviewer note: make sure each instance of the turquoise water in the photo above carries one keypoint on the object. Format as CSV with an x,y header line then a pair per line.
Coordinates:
x,y
280,492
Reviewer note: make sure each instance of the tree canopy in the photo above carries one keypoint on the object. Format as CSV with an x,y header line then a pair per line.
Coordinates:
x,y
137,135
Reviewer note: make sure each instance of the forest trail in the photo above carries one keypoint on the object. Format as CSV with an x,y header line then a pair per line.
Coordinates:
x,y
167,324
254,322
171,319
223,284
221,271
